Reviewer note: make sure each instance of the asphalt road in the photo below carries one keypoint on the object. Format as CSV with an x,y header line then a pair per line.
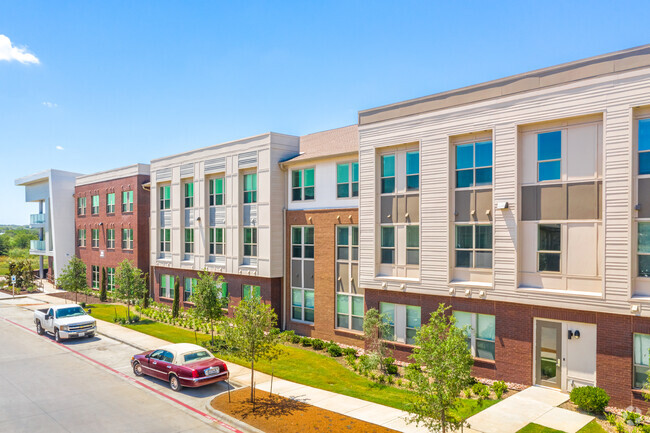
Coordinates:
x,y
45,387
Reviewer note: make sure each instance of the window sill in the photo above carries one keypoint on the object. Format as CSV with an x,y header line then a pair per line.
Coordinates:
x,y
559,292
397,279
302,322
475,284
349,331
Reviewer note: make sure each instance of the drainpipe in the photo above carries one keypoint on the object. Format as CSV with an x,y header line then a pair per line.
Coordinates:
x,y
284,268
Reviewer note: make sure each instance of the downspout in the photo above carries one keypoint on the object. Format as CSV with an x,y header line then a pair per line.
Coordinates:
x,y
284,267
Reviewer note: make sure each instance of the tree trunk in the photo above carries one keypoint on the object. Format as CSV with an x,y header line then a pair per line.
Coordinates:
x,y
443,421
75,297
212,333
252,383
128,313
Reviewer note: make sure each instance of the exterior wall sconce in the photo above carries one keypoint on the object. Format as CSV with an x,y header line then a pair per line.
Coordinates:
x,y
383,285
452,291
402,286
637,207
468,292
198,219
636,309
482,293
574,334
309,219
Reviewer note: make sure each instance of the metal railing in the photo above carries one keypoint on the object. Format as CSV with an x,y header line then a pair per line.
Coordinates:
x,y
37,245
37,218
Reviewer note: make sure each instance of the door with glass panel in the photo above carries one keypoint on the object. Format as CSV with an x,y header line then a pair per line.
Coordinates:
x,y
549,354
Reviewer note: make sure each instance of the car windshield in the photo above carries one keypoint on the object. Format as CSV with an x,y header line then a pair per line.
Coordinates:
x,y
196,356
70,312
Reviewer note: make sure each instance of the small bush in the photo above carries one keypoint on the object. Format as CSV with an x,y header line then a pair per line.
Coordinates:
x,y
350,359
275,331
481,390
368,362
611,418
286,335
590,398
620,427
467,392
382,378
632,416
305,341
334,350
391,380
295,339
414,368
499,387
372,376
318,344
350,351
391,369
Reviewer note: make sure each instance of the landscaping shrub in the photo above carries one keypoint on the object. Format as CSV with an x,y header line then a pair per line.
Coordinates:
x,y
611,418
499,387
350,351
590,398
631,416
334,350
286,335
414,367
295,339
305,341
481,390
350,359
381,378
275,331
368,362
318,344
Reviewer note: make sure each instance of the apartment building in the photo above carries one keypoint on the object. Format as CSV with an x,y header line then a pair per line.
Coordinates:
x,y
522,203
112,221
52,190
221,209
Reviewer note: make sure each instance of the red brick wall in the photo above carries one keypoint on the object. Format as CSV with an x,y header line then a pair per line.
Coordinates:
x,y
324,222
138,220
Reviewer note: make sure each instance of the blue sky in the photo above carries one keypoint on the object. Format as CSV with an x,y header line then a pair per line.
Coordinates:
x,y
123,82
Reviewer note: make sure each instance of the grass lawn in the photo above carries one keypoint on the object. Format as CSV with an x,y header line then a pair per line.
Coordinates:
x,y
592,427
324,372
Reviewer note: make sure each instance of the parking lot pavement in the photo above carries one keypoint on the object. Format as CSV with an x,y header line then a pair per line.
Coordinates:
x,y
88,385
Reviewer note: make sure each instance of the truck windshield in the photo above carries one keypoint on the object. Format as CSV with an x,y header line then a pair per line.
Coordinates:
x,y
69,312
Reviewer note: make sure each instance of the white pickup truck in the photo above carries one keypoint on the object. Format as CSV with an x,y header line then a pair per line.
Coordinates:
x,y
64,321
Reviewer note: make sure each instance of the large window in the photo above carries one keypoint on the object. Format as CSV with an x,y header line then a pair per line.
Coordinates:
x,y
94,238
474,164
250,241
387,174
412,245
166,286
302,184
188,288
110,239
474,246
127,239
388,244
250,188
644,249
165,240
127,201
349,296
81,237
413,171
249,291
189,194
94,204
216,191
643,256
94,277
165,197
347,180
549,247
641,348
409,316
216,241
480,332
110,203
549,155
644,146
302,271
110,279
81,206
189,241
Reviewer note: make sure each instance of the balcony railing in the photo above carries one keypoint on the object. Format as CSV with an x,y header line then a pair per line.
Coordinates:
x,y
37,218
37,245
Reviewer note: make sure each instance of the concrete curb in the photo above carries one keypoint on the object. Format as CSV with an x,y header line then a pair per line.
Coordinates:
x,y
230,420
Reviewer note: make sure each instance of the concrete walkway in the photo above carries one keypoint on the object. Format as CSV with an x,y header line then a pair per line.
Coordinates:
x,y
534,404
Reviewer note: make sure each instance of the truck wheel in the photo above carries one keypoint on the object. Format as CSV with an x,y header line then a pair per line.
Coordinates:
x,y
174,383
137,369
57,337
39,328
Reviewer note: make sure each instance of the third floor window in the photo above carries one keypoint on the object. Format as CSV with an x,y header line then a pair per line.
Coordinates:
x,y
302,184
127,201
94,205
474,164
347,180
165,197
189,194
216,191
250,188
110,203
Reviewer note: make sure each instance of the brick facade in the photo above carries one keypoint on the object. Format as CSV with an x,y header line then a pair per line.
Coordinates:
x,y
138,220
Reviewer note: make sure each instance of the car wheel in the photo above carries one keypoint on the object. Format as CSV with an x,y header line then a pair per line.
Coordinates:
x,y
57,337
137,369
39,328
90,335
174,383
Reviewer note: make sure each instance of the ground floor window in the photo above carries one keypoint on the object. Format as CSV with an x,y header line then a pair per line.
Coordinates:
x,y
188,288
409,316
166,286
302,305
95,276
349,311
480,332
248,291
110,279
641,354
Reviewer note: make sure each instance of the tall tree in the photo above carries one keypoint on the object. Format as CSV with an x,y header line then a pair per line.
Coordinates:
x,y
441,350
4,245
376,327
73,277
177,298
208,300
102,290
248,334
130,285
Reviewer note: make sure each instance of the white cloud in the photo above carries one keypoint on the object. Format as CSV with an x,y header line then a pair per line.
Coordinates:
x,y
10,52
50,104
59,147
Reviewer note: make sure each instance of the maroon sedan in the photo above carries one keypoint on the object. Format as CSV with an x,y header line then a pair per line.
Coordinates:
x,y
181,365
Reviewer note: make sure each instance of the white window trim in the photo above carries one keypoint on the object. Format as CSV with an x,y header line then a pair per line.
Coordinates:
x,y
302,186
349,182
473,331
302,263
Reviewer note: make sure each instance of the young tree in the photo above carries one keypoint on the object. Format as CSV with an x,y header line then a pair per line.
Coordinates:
x,y
73,277
248,334
102,290
145,297
376,327
129,285
208,302
177,298
441,350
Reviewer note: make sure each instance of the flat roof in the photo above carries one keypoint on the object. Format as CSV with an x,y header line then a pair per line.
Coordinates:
x,y
116,173
605,64
44,175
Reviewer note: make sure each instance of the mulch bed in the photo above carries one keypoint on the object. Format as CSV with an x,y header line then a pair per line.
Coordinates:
x,y
282,415
80,297
18,291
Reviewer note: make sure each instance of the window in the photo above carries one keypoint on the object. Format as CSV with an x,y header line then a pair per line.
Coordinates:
x,y
347,242
412,245
165,197
248,291
110,239
474,246
347,180
216,191
189,195
110,203
127,239
302,184
549,247
165,240
94,205
94,238
413,171
188,288
94,277
166,286
474,164
407,315
110,279
644,249
349,312
480,332
81,237
641,348
189,241
388,244
349,297
127,201
387,174
216,241
549,155
250,188
250,241
81,206
302,270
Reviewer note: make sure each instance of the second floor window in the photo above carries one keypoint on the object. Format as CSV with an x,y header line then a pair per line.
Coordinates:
x,y
189,241
474,246
94,238
81,206
347,180
127,201
81,236
110,239
127,239
250,241
250,188
165,197
388,244
302,184
110,203
216,241
165,240
549,247
216,191
474,164
549,155
644,249
94,205
189,194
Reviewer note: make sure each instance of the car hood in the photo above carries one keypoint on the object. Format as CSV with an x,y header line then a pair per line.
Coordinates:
x,y
205,363
76,320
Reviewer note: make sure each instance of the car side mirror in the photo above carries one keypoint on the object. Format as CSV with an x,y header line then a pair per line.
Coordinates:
x,y
90,310
148,356
48,317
